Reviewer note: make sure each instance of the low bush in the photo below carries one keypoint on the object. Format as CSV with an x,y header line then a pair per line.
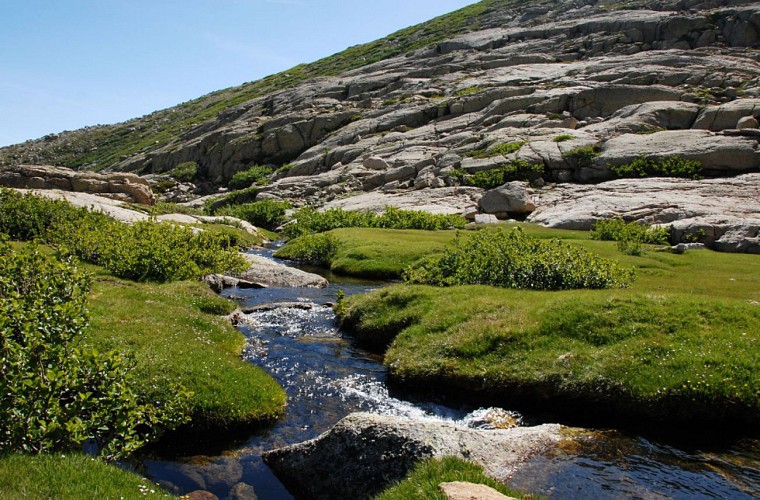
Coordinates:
x,y
268,214
563,138
317,249
257,174
583,155
513,259
669,166
515,170
309,221
185,172
502,149
56,394
630,236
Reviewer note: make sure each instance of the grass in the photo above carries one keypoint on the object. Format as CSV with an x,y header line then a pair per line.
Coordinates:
x,y
423,481
682,345
175,334
502,149
71,477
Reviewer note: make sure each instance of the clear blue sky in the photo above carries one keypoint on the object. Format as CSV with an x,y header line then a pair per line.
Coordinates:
x,y
65,64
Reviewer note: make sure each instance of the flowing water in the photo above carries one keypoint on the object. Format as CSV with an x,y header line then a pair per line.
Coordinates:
x,y
326,378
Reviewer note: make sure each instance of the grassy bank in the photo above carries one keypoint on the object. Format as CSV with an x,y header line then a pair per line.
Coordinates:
x,y
424,480
175,334
70,477
680,345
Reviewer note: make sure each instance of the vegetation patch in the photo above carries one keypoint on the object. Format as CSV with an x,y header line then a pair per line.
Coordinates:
x,y
583,155
185,172
71,476
316,249
668,166
679,346
497,150
513,259
424,479
514,170
268,214
630,236
56,393
308,220
564,137
468,91
256,175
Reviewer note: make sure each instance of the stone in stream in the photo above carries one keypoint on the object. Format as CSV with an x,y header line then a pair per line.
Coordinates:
x,y
270,273
365,453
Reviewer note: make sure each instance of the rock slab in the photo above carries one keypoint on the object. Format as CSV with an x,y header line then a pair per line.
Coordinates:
x,y
365,453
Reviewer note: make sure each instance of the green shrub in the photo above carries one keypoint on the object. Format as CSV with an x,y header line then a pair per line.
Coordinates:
x,y
669,166
468,91
497,150
285,168
308,221
54,393
185,172
513,259
316,249
268,214
583,155
163,186
257,175
515,170
563,138
618,230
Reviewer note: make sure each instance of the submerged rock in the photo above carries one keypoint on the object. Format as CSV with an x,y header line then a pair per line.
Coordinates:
x,y
365,453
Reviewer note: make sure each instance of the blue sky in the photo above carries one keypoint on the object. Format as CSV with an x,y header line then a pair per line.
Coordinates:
x,y
65,64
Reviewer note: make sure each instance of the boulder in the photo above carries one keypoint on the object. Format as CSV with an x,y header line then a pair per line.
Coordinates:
x,y
726,116
486,219
747,122
365,453
460,490
270,273
448,200
375,163
510,198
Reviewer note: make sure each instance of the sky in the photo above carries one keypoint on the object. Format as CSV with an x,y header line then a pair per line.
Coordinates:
x,y
66,64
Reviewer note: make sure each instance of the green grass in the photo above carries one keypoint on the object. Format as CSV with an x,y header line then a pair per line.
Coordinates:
x,y
680,345
175,334
423,481
70,477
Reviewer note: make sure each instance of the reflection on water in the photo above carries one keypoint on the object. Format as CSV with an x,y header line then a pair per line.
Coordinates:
x,y
326,378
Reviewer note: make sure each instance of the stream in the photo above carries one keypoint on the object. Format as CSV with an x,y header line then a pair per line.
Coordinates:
x,y
326,378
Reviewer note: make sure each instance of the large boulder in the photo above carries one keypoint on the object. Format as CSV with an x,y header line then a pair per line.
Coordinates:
x,y
121,186
365,453
510,198
270,273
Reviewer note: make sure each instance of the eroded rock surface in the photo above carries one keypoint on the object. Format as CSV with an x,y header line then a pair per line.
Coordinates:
x,y
364,453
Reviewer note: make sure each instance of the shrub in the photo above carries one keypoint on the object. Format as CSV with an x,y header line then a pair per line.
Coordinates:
x,y
268,214
163,186
257,175
583,155
468,91
185,172
497,150
669,166
316,249
563,138
515,170
513,259
308,221
618,230
55,394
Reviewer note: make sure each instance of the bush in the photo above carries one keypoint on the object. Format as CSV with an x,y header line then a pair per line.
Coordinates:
x,y
629,233
316,249
513,259
583,155
515,170
246,178
54,394
309,221
669,166
498,150
185,172
268,214
563,138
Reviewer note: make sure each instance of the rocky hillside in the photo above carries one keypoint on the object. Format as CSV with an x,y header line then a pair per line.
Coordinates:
x,y
543,91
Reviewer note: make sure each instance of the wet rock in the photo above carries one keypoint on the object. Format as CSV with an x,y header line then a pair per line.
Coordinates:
x,y
242,491
459,490
364,453
201,495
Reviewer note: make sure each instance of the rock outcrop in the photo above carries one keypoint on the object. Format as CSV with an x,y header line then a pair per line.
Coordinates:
x,y
364,453
119,186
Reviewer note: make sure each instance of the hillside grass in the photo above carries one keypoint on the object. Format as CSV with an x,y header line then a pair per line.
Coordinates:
x,y
176,334
681,345
102,146
71,477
